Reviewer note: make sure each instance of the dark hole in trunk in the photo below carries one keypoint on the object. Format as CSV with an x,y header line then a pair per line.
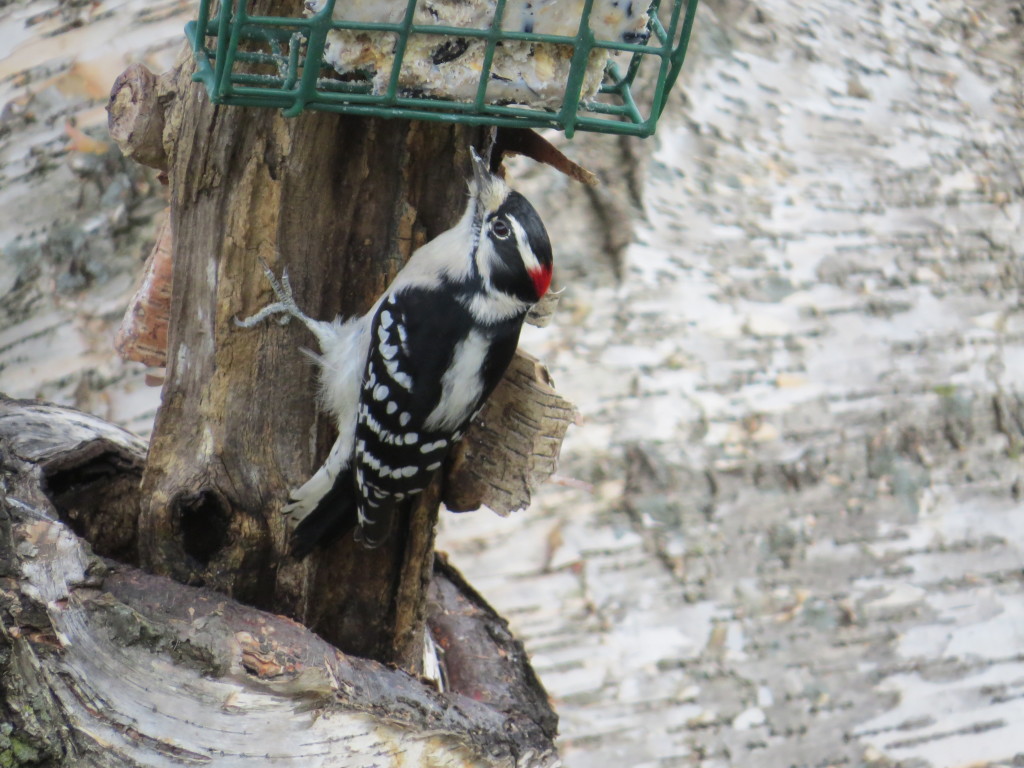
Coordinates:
x,y
203,518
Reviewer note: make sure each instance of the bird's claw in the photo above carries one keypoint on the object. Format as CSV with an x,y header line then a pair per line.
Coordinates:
x,y
284,306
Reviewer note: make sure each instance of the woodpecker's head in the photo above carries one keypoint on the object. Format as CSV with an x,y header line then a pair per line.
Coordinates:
x,y
513,252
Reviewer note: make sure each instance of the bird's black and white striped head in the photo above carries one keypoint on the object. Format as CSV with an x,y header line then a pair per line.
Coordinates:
x,y
513,253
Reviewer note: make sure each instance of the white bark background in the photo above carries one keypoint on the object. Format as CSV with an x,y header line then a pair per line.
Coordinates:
x,y
795,536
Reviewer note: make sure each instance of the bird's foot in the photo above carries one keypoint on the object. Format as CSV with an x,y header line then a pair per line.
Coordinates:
x,y
285,304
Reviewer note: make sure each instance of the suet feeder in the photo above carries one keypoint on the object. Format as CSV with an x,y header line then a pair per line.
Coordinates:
x,y
508,65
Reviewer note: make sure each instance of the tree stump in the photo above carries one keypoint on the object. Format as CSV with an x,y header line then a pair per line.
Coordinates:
x,y
105,665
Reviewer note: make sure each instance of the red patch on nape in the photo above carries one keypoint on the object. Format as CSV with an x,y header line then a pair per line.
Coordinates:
x,y
541,280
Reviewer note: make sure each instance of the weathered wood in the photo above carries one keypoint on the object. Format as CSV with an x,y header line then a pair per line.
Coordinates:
x,y
104,665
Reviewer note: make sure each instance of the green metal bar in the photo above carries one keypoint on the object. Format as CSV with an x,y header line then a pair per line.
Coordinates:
x,y
659,31
400,45
223,42
204,72
678,55
492,43
577,71
627,98
226,59
583,123
314,55
199,41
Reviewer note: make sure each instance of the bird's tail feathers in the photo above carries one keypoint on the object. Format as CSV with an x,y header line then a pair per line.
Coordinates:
x,y
333,516
375,525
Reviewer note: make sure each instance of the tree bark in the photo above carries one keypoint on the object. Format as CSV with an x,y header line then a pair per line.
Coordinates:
x,y
342,203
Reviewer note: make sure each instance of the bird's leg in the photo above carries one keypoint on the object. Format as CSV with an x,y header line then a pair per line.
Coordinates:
x,y
285,304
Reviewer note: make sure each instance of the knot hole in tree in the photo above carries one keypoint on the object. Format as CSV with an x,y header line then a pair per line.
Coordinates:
x,y
204,522
208,541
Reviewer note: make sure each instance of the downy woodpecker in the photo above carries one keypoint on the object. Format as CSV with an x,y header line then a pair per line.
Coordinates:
x,y
403,381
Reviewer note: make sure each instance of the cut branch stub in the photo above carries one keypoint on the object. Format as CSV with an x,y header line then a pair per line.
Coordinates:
x,y
527,142
135,117
513,445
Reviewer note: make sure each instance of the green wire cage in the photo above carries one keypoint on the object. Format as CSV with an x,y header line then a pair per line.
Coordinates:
x,y
279,62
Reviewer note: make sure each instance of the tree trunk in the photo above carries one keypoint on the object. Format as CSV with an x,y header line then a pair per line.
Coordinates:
x,y
341,202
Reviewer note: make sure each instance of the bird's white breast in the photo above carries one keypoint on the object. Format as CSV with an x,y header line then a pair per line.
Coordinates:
x,y
461,385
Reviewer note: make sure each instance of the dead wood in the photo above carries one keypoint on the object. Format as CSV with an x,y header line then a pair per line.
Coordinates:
x,y
136,119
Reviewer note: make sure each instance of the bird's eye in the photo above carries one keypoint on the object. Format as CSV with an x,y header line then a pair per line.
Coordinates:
x,y
500,229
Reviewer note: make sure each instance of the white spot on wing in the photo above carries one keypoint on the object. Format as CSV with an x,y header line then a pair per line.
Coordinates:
x,y
373,424
402,379
380,392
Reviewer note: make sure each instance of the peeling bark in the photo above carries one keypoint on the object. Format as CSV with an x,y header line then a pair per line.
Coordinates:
x,y
142,335
513,444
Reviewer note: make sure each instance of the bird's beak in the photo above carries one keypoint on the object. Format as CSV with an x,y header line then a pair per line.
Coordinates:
x,y
482,182
489,190
481,173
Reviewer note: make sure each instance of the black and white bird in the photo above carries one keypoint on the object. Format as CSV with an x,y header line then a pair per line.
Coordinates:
x,y
403,381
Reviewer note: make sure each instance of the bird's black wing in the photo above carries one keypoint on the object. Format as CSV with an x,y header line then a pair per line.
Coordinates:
x,y
333,517
414,337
